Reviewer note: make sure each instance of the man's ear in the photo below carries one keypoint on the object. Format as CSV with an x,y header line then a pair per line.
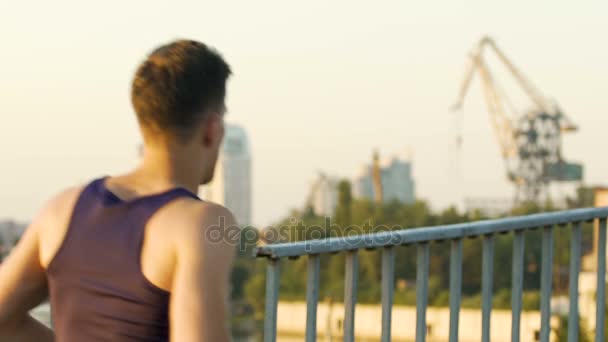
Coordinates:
x,y
212,130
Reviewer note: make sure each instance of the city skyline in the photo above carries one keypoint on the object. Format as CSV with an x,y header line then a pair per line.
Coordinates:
x,y
311,97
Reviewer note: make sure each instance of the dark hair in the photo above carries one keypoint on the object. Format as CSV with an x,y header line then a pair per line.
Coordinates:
x,y
177,84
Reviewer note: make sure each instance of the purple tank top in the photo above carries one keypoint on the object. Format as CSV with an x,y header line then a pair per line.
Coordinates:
x,y
97,289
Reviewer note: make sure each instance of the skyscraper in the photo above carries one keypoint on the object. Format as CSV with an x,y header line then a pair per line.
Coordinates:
x,y
397,182
231,185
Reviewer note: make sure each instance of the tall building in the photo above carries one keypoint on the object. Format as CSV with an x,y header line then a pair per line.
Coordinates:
x,y
397,181
323,195
231,185
362,185
10,232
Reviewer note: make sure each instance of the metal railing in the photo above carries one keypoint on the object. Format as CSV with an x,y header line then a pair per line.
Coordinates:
x,y
421,237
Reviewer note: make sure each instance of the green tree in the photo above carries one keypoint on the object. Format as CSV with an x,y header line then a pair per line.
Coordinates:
x,y
240,274
342,216
585,197
562,331
255,288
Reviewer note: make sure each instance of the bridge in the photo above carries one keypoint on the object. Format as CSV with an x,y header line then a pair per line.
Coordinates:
x,y
420,238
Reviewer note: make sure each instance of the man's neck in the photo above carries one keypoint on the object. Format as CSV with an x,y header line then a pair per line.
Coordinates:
x,y
169,170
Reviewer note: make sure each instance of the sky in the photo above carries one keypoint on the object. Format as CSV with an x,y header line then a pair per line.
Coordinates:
x,y
317,84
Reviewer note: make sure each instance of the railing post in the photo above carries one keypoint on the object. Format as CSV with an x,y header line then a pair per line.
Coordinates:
x,y
272,300
388,287
350,295
455,287
312,297
486,286
517,284
422,285
545,284
575,266
601,282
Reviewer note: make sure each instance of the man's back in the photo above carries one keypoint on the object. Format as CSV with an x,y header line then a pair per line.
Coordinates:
x,y
112,262
97,288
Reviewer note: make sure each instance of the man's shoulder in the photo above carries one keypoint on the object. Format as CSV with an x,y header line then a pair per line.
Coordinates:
x,y
59,207
65,199
199,221
207,213
197,214
53,219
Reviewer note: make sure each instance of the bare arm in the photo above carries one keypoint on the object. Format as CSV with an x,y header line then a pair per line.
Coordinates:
x,y
23,283
23,286
201,280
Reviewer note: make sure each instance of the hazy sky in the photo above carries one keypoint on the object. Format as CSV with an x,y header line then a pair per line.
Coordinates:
x,y
318,84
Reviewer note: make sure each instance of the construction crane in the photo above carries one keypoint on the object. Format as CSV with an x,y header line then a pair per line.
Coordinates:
x,y
530,142
377,178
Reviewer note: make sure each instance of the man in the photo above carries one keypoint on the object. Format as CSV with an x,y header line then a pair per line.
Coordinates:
x,y
127,258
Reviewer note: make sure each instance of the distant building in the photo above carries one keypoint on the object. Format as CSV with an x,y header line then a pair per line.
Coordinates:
x,y
10,233
323,195
397,181
231,185
362,185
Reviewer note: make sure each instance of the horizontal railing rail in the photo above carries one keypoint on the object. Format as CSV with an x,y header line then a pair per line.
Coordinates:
x,y
455,233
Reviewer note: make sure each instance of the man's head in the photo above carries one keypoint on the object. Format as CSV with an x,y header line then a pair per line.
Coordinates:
x,y
178,95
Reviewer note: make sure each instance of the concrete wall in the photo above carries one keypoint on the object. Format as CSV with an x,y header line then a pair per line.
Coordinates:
x,y
586,302
292,321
